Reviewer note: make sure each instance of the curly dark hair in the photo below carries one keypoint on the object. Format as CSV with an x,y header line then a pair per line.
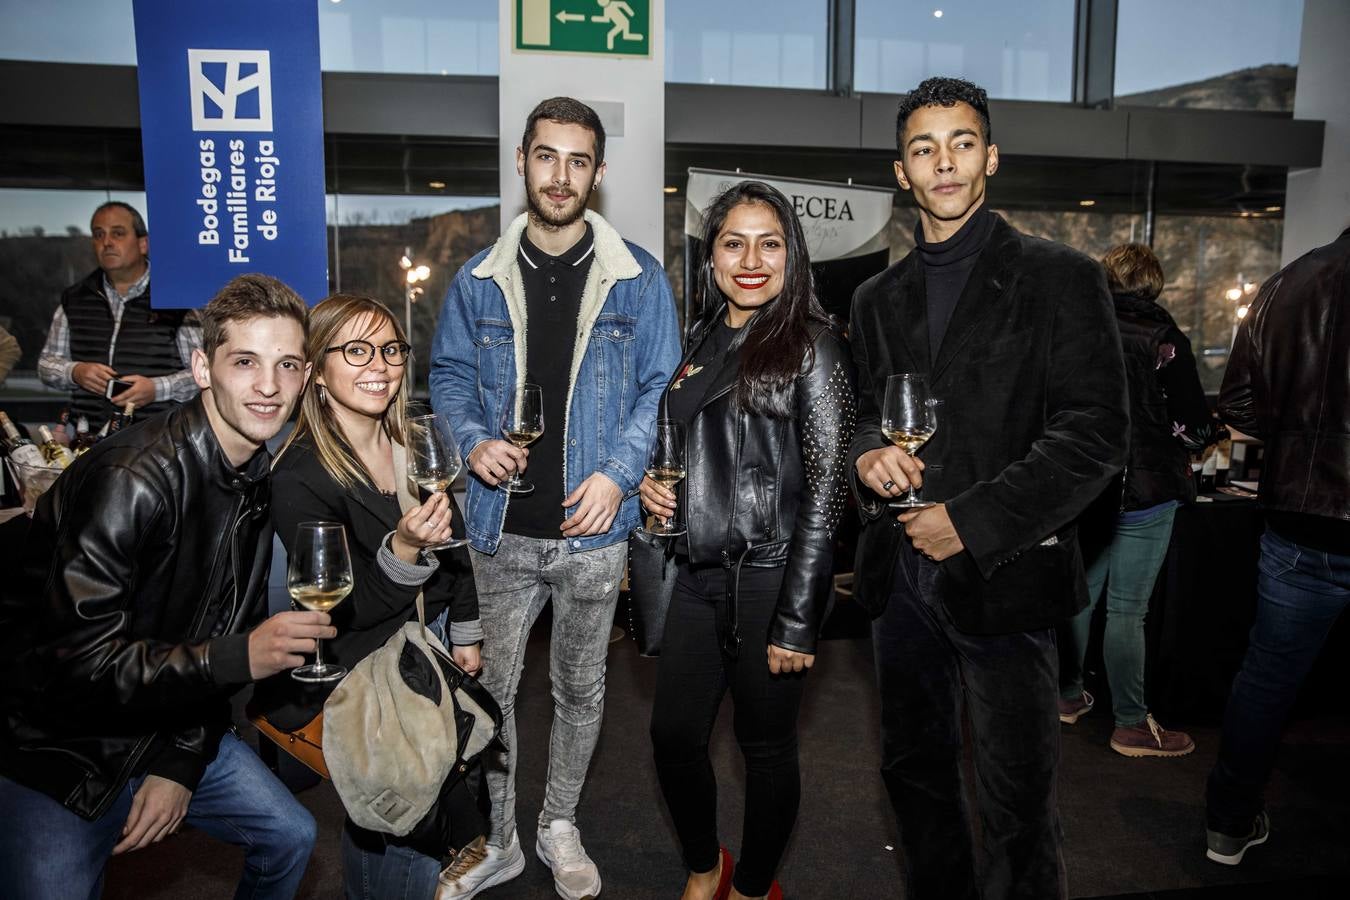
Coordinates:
x,y
943,92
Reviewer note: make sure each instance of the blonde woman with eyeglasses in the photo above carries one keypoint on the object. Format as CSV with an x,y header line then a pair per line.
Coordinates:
x,y
340,465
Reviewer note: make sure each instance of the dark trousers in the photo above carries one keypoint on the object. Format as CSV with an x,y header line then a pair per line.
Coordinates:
x,y
694,675
1301,592
925,668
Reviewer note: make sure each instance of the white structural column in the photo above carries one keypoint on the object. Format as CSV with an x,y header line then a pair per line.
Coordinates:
x,y
627,91
1317,204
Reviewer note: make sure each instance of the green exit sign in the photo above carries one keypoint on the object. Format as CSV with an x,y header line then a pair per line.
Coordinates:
x,y
606,27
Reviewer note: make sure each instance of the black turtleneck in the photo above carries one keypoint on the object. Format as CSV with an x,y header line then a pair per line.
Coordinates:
x,y
947,266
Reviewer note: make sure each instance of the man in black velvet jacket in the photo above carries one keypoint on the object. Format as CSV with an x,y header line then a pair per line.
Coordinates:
x,y
1019,342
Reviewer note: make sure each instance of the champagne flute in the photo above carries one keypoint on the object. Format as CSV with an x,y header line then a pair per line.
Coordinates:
x,y
522,424
667,469
318,577
433,460
908,420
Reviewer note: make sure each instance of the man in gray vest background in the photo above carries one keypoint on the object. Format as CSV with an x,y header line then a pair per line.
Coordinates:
x,y
105,329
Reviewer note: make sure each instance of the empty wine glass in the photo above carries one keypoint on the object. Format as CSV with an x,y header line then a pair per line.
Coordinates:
x,y
908,420
318,577
522,424
433,460
667,469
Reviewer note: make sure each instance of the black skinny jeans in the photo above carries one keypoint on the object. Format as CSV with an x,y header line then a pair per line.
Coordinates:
x,y
694,675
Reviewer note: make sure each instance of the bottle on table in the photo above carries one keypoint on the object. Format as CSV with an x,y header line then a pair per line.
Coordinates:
x,y
53,451
117,421
84,438
20,448
1223,455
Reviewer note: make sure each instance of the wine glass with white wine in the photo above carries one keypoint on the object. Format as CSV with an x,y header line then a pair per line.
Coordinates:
x,y
522,424
908,420
667,469
433,460
319,577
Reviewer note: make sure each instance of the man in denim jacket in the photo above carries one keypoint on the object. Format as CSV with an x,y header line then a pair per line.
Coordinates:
x,y
563,302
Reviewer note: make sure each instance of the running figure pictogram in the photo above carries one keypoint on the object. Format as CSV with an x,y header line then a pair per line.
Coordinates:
x,y
620,14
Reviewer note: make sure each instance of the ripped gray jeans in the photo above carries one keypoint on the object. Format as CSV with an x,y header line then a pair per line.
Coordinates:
x,y
513,586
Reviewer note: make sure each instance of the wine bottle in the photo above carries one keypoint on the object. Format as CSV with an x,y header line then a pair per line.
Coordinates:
x,y
121,419
83,439
21,449
53,451
1223,456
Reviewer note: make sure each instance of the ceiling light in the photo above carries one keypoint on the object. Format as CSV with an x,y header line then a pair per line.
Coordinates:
x,y
670,189
1087,202
436,185
1233,293
1273,208
937,13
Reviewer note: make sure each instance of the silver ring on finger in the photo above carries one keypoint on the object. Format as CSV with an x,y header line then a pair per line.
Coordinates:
x,y
888,486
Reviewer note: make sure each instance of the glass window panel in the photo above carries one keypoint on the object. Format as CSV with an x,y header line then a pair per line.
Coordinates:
x,y
445,37
1215,54
763,43
369,233
44,248
80,31
1014,51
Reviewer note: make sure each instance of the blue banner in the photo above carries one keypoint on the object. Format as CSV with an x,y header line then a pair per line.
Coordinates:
x,y
232,130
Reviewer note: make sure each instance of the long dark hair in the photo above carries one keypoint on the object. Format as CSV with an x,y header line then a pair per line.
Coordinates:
x,y
777,336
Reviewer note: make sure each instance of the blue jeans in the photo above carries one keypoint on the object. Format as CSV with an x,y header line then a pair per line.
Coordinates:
x,y
927,671
57,854
1127,567
374,870
1300,594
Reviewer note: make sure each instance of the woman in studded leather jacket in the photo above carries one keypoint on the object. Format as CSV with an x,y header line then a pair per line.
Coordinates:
x,y
766,392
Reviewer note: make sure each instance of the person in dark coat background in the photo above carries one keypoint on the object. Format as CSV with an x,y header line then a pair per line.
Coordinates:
x,y
1126,534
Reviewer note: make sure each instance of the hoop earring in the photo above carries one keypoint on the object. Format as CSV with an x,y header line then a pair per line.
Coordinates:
x,y
323,395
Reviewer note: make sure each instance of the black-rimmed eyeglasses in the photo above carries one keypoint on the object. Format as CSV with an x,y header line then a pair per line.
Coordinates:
x,y
359,353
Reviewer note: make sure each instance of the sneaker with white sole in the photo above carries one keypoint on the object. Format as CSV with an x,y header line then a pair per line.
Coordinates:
x,y
574,874
478,867
1227,849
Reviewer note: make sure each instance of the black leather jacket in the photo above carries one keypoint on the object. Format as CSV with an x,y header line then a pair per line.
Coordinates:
x,y
144,566
767,492
1288,383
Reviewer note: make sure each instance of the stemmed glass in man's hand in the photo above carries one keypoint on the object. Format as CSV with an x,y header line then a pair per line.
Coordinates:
x,y
318,577
433,460
667,469
522,424
908,420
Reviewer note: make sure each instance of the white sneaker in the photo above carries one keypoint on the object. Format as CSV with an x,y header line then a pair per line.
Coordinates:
x,y
574,875
478,867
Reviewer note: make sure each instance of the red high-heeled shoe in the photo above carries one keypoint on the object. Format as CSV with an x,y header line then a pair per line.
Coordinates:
x,y
724,882
775,892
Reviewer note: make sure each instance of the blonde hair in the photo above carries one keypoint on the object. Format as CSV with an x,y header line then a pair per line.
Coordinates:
x,y
326,319
1133,269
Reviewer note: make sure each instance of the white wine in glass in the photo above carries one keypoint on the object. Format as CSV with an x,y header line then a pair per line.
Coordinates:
x,y
908,420
433,460
667,468
522,425
319,577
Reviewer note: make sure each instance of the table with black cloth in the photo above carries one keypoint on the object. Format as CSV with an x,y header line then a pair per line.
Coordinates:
x,y
1201,614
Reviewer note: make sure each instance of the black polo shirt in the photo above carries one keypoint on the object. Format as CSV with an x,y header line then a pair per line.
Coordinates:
x,y
553,288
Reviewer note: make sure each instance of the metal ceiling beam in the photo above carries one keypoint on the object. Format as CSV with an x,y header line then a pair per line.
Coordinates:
x,y
465,108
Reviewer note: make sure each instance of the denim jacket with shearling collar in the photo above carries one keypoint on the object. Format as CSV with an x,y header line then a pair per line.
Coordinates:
x,y
627,347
